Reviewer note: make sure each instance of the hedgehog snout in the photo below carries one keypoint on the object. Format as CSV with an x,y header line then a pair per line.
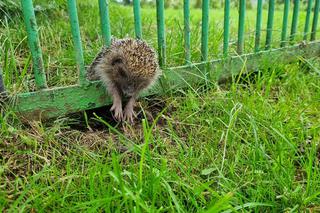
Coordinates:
x,y
129,90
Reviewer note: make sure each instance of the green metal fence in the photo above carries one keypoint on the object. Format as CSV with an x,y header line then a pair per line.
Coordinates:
x,y
49,102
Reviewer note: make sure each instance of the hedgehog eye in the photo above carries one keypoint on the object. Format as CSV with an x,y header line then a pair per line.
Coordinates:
x,y
116,61
122,72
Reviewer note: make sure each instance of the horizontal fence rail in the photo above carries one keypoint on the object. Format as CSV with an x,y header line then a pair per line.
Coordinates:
x,y
59,101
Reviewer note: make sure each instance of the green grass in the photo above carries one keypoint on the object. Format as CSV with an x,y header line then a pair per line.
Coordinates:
x,y
249,145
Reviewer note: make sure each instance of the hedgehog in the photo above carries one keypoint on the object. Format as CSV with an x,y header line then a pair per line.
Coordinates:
x,y
126,67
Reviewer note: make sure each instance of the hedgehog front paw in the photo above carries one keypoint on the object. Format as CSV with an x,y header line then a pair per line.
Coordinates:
x,y
117,108
128,113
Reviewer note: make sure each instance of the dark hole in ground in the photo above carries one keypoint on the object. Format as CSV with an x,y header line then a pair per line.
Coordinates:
x,y
148,108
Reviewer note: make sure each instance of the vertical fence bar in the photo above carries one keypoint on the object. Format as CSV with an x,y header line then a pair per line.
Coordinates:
x,y
270,24
73,14
294,19
137,18
226,27
105,22
205,30
258,27
307,23
242,13
161,33
34,43
285,23
186,13
2,88
315,20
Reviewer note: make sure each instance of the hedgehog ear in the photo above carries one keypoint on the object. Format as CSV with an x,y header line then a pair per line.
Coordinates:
x,y
116,60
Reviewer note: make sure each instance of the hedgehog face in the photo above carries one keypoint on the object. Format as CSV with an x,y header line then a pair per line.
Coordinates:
x,y
129,65
133,85
128,89
130,86
126,81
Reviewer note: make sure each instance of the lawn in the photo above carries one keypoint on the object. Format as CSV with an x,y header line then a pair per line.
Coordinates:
x,y
251,144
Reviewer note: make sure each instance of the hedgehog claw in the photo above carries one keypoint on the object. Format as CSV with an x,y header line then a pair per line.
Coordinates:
x,y
128,114
117,108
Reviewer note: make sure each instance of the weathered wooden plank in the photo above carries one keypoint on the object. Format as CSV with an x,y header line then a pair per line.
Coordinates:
x,y
221,69
60,101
